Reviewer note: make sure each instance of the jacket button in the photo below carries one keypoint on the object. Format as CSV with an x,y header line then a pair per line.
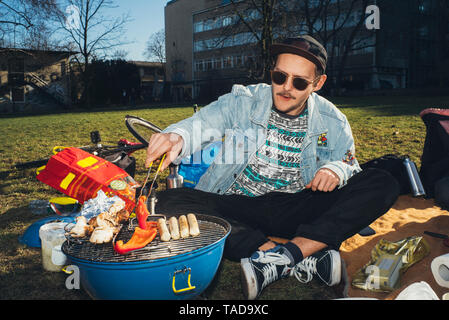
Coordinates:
x,y
317,158
235,175
218,191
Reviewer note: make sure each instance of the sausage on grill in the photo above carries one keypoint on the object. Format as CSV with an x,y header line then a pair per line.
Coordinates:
x,y
184,227
163,230
193,224
174,228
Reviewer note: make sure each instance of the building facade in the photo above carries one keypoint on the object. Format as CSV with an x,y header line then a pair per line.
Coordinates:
x,y
33,80
212,44
152,80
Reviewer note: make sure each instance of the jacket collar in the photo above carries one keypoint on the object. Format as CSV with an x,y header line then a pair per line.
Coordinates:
x,y
316,124
263,104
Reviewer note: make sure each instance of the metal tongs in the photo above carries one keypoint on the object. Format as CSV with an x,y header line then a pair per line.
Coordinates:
x,y
151,195
155,176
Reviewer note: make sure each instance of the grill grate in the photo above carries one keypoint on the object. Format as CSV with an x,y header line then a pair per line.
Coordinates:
x,y
212,229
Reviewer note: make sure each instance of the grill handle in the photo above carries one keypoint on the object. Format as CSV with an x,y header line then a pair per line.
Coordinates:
x,y
189,285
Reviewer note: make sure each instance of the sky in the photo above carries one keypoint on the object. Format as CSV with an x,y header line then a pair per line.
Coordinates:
x,y
147,18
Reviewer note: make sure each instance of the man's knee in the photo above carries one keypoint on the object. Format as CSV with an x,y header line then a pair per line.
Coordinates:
x,y
383,183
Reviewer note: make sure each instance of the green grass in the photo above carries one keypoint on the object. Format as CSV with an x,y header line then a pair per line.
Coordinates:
x,y
380,125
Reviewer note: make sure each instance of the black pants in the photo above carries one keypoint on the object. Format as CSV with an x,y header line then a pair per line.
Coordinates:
x,y
328,217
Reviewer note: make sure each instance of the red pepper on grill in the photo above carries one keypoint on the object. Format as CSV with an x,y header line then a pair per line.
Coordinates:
x,y
142,212
140,238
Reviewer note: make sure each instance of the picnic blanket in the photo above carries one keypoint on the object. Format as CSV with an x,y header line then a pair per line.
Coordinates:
x,y
408,217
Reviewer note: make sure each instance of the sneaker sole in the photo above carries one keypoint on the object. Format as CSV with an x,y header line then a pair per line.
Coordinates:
x,y
248,279
336,268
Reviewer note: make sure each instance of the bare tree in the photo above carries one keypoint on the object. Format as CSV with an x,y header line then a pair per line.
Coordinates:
x,y
155,47
337,24
261,29
92,32
22,20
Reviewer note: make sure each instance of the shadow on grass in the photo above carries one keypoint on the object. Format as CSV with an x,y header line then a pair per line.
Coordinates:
x,y
98,109
392,106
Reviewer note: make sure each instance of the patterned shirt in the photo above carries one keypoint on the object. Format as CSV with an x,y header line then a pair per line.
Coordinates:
x,y
276,165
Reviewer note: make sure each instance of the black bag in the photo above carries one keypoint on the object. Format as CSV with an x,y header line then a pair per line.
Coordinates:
x,y
435,156
122,160
395,166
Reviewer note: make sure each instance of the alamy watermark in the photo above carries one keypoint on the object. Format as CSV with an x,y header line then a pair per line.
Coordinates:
x,y
372,21
73,280
73,18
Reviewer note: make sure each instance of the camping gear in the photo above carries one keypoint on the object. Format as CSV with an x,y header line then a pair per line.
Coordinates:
x,y
416,186
174,179
120,155
31,235
395,166
192,168
435,156
175,269
64,206
385,272
402,169
52,236
410,250
81,175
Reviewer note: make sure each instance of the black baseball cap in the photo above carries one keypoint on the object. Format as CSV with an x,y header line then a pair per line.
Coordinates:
x,y
304,46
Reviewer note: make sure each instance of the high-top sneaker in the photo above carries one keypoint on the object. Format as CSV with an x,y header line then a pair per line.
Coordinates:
x,y
326,264
263,268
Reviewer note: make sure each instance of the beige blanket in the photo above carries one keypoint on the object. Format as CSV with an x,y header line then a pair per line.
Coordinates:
x,y
408,217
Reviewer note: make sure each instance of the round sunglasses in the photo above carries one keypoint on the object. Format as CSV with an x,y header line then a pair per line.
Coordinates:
x,y
279,78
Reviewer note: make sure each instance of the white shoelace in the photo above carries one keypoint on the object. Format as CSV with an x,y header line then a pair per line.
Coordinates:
x,y
271,260
307,266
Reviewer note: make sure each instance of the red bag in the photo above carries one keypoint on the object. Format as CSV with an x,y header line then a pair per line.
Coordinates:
x,y
81,175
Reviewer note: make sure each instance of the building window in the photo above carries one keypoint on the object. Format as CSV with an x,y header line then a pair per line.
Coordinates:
x,y
227,62
18,94
198,26
216,63
199,65
238,61
208,64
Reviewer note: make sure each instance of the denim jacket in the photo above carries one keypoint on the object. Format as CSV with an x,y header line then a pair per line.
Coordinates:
x,y
240,119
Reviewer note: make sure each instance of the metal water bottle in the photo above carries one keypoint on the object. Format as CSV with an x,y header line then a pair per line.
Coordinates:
x,y
416,186
174,180
152,201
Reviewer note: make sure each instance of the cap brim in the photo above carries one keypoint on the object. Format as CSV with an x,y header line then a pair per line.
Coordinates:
x,y
277,49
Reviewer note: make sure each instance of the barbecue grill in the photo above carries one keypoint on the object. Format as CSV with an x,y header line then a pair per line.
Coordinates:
x,y
176,269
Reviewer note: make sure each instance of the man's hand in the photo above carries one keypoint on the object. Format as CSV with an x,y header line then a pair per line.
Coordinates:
x,y
160,143
325,180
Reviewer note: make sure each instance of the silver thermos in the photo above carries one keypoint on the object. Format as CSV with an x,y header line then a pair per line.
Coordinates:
x,y
416,186
174,180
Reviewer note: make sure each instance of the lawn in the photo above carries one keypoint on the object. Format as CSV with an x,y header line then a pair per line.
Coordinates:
x,y
380,125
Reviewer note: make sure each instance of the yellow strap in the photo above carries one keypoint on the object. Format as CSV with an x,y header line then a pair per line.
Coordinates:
x,y
190,287
63,200
38,170
58,149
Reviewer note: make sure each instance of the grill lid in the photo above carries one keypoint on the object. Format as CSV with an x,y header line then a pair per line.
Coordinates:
x,y
212,230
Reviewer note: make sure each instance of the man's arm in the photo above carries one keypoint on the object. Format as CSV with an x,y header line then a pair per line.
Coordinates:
x,y
187,136
337,172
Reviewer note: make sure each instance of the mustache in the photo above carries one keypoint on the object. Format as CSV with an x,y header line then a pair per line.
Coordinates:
x,y
285,94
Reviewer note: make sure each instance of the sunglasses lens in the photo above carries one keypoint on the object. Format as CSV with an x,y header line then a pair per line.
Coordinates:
x,y
300,84
278,77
